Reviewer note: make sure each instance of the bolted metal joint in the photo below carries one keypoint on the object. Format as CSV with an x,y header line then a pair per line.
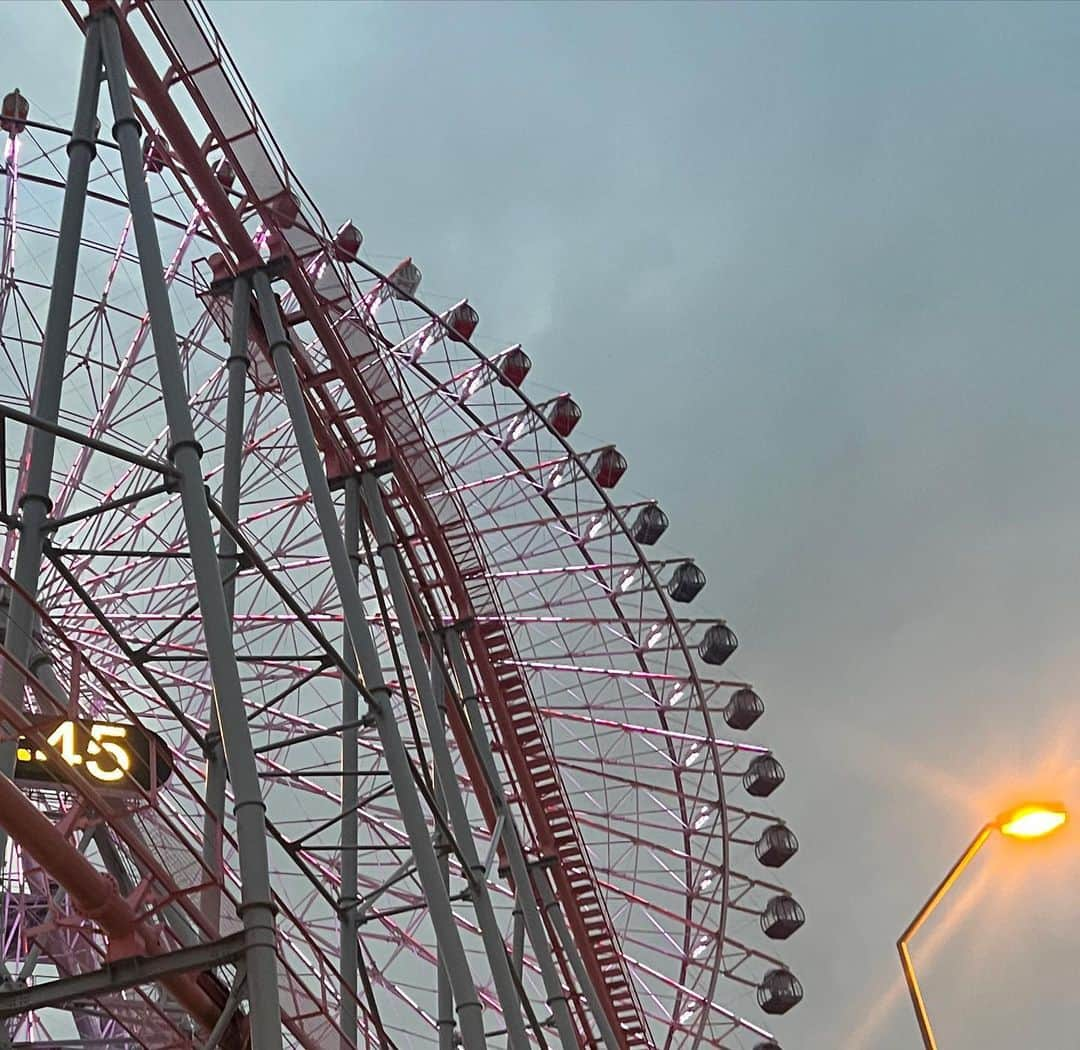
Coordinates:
x,y
275,268
178,446
122,122
45,501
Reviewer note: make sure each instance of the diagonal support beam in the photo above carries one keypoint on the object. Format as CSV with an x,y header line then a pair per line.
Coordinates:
x,y
228,1010
125,455
367,902
125,973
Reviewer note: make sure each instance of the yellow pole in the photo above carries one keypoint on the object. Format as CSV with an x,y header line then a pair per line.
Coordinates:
x,y
955,872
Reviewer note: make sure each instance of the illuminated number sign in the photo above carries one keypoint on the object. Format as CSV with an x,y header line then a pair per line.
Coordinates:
x,y
112,754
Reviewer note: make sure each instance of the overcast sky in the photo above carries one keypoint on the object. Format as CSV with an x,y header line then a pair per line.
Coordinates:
x,y
814,269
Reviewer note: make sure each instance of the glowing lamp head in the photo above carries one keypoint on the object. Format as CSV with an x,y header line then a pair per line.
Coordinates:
x,y
1032,821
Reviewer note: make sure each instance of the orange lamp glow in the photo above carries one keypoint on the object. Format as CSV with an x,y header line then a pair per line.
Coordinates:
x,y
1032,821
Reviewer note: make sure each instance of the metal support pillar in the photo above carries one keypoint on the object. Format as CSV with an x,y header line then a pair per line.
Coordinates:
x,y
237,364
494,946
256,908
36,503
469,1008
515,856
350,716
444,994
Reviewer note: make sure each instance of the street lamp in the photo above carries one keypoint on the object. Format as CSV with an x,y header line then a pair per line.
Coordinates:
x,y
1034,820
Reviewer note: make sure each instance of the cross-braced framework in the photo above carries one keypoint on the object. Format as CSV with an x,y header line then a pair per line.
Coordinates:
x,y
343,704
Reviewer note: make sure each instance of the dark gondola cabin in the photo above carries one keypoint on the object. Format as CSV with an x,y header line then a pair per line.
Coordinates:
x,y
347,242
13,113
763,776
224,173
779,991
717,645
686,582
404,279
776,846
650,524
285,209
743,709
782,916
154,154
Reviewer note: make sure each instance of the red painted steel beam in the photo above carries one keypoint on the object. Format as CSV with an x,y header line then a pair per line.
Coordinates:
x,y
96,896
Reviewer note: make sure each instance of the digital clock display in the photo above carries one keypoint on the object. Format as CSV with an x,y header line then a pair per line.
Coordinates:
x,y
112,754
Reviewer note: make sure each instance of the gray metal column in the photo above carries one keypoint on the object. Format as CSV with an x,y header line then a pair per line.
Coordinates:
x,y
349,895
515,854
256,908
494,946
237,365
469,1008
444,994
36,503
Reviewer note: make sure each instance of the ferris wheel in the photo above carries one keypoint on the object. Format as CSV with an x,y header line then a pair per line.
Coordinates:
x,y
344,704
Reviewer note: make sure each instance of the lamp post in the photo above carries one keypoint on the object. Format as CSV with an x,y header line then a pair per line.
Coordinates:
x,y
1030,821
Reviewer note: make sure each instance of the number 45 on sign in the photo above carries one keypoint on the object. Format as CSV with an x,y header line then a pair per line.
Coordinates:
x,y
110,753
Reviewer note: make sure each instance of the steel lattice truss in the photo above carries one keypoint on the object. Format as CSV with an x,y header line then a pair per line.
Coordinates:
x,y
572,753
